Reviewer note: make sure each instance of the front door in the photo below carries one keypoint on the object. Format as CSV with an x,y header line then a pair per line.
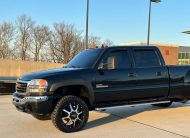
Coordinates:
x,y
113,81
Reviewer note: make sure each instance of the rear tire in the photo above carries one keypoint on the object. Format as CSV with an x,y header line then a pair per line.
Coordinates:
x,y
70,114
163,104
42,117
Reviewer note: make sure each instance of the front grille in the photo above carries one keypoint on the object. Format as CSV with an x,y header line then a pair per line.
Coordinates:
x,y
20,95
21,86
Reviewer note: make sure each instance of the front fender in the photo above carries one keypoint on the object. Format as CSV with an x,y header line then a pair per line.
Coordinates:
x,y
86,84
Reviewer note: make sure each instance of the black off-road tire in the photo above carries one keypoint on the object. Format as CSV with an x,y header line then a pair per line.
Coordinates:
x,y
57,113
42,117
163,104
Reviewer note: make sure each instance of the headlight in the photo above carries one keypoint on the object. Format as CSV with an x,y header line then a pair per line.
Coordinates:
x,y
37,85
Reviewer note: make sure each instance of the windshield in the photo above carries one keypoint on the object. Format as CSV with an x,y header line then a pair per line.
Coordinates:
x,y
85,59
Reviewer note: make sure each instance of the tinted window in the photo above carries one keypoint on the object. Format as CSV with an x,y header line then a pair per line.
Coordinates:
x,y
85,59
118,60
146,58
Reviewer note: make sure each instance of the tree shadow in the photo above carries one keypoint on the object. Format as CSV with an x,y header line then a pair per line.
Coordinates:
x,y
118,113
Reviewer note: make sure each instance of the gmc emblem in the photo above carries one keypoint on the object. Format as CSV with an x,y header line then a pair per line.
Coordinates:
x,y
18,85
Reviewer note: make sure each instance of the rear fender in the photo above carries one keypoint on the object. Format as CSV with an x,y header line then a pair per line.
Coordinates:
x,y
187,78
186,86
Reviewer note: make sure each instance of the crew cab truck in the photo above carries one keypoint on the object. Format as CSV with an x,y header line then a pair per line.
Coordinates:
x,y
101,77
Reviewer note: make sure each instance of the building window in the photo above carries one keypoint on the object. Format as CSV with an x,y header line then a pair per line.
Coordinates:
x,y
184,58
179,56
187,55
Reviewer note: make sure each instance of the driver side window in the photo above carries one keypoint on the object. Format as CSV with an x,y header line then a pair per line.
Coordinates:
x,y
117,60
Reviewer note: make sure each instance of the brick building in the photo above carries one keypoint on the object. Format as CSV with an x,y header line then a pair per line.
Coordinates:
x,y
170,53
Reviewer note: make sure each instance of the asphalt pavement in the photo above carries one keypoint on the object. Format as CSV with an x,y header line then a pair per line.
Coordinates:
x,y
118,122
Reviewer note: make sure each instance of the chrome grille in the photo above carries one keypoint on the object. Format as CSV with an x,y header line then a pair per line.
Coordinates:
x,y
21,86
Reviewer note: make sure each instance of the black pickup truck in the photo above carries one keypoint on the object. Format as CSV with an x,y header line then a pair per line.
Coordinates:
x,y
101,77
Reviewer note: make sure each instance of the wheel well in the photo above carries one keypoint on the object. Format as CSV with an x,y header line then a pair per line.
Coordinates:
x,y
76,90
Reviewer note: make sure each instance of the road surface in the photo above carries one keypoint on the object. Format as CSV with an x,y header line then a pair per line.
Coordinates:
x,y
121,122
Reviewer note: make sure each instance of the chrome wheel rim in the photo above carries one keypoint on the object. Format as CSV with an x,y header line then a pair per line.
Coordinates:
x,y
72,115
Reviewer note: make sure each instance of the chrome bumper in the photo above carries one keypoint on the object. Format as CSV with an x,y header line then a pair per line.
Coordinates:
x,y
21,101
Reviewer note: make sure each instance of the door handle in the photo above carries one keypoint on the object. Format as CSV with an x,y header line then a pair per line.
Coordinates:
x,y
131,74
159,73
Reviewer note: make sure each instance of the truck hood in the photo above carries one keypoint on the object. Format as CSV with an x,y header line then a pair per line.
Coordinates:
x,y
44,73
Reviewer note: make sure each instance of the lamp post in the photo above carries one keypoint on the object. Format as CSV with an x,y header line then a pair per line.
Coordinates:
x,y
149,16
87,11
186,32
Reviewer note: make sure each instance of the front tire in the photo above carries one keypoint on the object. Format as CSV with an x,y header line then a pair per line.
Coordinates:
x,y
42,116
70,114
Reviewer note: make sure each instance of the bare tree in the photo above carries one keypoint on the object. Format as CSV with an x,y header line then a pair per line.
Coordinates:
x,y
53,52
64,43
65,38
24,26
93,41
107,42
6,36
78,45
96,41
40,35
25,40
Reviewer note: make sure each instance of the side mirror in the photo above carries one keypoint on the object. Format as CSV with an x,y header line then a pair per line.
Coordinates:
x,y
101,66
108,66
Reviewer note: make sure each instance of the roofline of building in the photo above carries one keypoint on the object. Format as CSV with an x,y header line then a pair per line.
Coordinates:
x,y
151,43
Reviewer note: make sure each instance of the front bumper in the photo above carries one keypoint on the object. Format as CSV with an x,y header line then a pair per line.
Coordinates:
x,y
33,104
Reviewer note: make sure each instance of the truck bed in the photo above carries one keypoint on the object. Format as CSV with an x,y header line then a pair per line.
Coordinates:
x,y
179,81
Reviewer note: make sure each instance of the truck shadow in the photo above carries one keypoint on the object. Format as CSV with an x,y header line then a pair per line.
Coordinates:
x,y
117,113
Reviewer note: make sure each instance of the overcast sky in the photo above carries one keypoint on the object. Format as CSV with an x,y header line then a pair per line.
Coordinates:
x,y
121,21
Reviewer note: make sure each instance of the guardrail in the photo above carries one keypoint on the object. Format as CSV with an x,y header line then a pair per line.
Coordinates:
x,y
16,67
9,68
7,85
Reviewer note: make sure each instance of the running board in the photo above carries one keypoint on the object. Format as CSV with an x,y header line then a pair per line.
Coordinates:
x,y
129,105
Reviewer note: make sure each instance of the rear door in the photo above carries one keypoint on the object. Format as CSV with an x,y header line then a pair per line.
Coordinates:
x,y
152,79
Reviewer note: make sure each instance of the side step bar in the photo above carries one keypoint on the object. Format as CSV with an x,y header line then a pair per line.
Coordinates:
x,y
129,105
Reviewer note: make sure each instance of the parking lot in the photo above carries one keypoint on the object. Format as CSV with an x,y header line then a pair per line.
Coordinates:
x,y
125,122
